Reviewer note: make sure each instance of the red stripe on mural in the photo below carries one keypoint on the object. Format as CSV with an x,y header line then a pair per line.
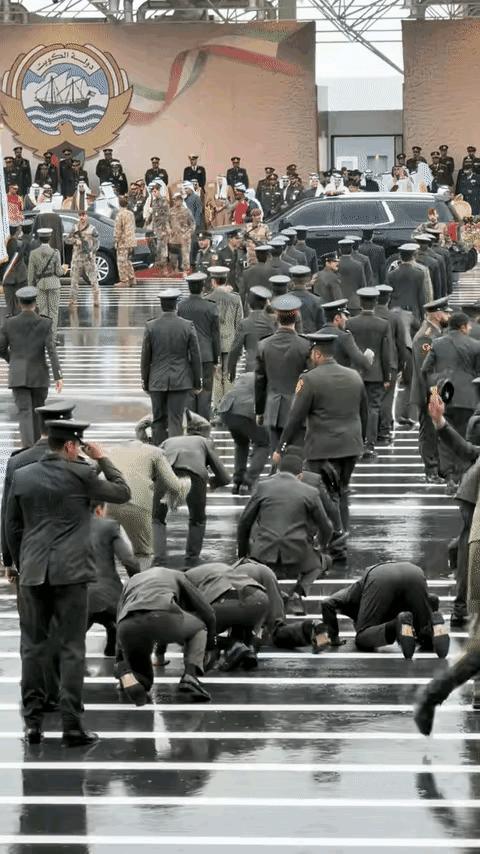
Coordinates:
x,y
175,75
268,62
136,117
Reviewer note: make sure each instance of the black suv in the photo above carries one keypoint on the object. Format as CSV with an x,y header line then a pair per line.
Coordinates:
x,y
391,216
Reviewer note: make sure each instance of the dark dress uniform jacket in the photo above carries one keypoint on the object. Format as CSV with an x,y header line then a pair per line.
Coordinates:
x,y
108,544
328,286
434,268
352,277
254,328
171,358
310,255
332,401
347,352
256,274
311,310
376,256
189,173
240,399
215,579
48,518
457,357
155,589
398,336
408,291
24,340
17,460
204,316
280,361
195,454
18,274
362,259
373,332
280,520
277,267
421,346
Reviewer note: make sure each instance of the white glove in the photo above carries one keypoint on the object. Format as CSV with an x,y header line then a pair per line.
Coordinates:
x,y
369,354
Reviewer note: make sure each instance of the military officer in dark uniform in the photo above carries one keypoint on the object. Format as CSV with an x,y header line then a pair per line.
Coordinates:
x,y
412,162
372,331
206,256
376,256
252,329
22,167
352,274
436,320
389,603
51,171
441,252
468,184
361,258
328,284
399,358
25,340
311,309
118,179
281,358
10,173
237,411
229,257
346,350
103,170
256,274
333,402
446,160
67,181
433,265
14,272
237,174
194,171
156,172
278,524
408,292
456,357
292,255
171,367
48,522
301,245
276,264
204,315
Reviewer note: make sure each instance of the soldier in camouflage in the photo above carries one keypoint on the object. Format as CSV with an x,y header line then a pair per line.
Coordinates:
x,y
125,242
84,239
256,234
182,227
157,214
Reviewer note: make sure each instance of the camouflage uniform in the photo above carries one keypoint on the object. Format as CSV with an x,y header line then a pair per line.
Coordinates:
x,y
44,271
159,223
259,234
182,227
85,244
125,240
230,312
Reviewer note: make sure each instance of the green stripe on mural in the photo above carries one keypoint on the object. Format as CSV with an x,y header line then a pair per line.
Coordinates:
x,y
267,35
145,92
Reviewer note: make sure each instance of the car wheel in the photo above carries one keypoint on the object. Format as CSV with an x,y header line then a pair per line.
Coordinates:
x,y
106,271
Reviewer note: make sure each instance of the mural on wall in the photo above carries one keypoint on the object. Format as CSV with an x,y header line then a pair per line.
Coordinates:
x,y
65,94
143,88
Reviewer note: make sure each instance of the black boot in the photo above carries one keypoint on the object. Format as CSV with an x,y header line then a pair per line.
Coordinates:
x,y
195,537
438,689
111,644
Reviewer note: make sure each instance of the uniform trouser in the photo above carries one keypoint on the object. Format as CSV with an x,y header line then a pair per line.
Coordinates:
x,y
182,254
27,400
10,292
196,503
465,668
292,634
137,522
375,392
67,604
126,273
83,269
245,431
51,669
140,630
241,611
160,248
202,403
167,410
451,466
428,441
461,572
344,467
48,302
306,572
385,421
383,599
221,382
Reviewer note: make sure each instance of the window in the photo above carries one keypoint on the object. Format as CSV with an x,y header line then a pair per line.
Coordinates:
x,y
359,214
412,213
318,213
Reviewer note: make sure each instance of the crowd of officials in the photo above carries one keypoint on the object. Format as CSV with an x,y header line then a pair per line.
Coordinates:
x,y
338,354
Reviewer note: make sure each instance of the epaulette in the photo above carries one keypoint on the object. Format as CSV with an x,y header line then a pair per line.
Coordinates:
x,y
17,452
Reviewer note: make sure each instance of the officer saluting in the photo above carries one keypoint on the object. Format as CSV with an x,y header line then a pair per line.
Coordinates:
x,y
171,366
25,340
346,352
332,401
48,524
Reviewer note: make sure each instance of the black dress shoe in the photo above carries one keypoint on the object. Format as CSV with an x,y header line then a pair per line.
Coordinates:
x,y
250,660
234,656
405,634
33,734
441,638
193,689
78,738
457,621
424,713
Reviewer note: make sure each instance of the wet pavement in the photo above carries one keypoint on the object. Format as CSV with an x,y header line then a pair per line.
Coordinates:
x,y
308,752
